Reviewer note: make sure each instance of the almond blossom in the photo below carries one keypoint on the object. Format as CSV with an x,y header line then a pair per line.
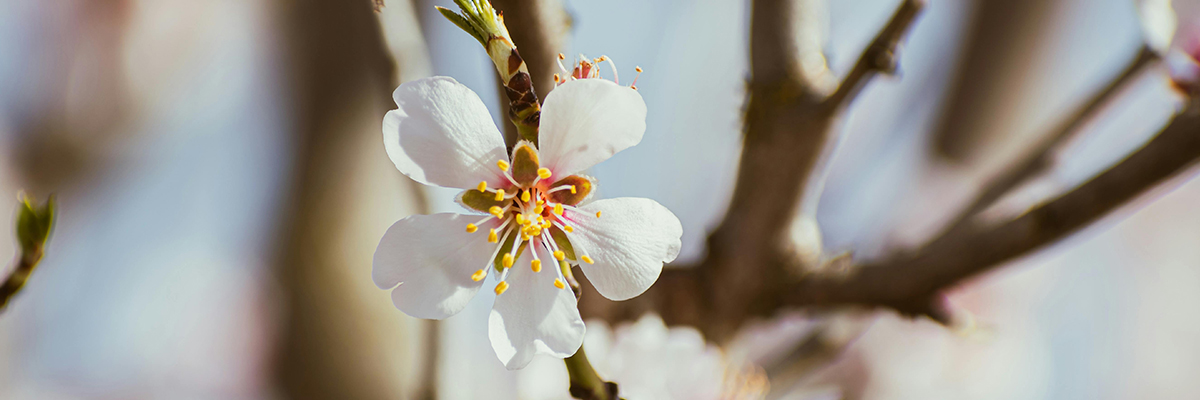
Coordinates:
x,y
528,214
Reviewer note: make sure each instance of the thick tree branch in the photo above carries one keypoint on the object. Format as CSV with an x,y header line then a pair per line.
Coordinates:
x,y
1038,158
911,284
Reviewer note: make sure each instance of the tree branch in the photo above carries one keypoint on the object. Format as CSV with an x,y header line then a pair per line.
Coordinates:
x,y
787,126
911,284
1038,158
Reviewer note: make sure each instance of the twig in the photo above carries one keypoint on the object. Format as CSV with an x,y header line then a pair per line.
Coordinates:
x,y
586,384
880,55
1038,158
911,285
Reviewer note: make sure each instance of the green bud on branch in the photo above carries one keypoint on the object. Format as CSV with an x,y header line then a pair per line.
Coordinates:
x,y
485,24
33,227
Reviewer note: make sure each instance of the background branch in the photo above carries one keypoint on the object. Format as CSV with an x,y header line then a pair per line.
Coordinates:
x,y
1038,158
911,284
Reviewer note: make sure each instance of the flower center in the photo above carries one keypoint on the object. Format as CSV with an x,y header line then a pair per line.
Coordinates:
x,y
531,214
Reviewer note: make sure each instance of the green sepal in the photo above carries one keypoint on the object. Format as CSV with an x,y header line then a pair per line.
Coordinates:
x,y
560,239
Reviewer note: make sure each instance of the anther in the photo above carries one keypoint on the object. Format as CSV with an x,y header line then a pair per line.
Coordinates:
x,y
471,228
507,261
560,255
587,259
597,214
482,186
521,219
501,287
492,236
568,228
525,196
495,210
478,275
499,194
559,284
558,209
536,265
544,173
539,209
573,190
561,56
502,164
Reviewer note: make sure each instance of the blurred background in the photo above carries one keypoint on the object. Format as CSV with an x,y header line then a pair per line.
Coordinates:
x,y
222,186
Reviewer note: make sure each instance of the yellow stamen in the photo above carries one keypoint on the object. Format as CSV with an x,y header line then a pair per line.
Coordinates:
x,y
597,214
492,238
560,255
495,210
558,284
507,261
587,259
502,164
544,173
540,220
478,275
525,196
482,186
499,194
573,190
501,287
558,209
525,237
539,209
521,219
536,265
568,228
471,228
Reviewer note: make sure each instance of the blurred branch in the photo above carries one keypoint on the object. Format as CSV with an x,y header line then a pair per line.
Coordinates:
x,y
1002,41
33,229
911,284
1039,158
341,77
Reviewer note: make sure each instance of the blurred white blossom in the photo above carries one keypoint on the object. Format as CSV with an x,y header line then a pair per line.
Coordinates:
x,y
650,361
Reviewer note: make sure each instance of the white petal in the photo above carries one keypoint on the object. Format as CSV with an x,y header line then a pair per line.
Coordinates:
x,y
629,242
586,121
432,258
534,316
443,135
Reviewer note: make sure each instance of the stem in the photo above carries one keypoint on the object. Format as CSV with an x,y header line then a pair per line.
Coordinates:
x,y
16,281
586,384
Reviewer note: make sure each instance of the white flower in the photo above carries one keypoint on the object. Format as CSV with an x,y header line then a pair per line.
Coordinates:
x,y
531,221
